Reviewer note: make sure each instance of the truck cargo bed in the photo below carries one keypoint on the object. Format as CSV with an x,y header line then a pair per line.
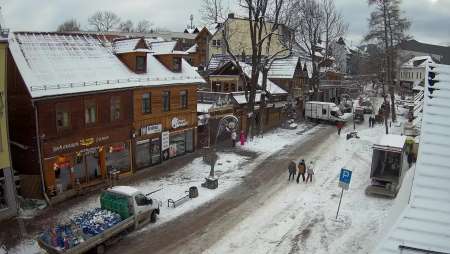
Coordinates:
x,y
90,242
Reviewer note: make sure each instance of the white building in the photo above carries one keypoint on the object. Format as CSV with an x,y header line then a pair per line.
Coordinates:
x,y
412,73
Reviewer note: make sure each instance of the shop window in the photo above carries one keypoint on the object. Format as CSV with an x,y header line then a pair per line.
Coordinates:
x,y
62,118
146,103
324,111
166,101
115,108
177,64
233,87
143,154
118,157
184,99
90,112
63,174
140,64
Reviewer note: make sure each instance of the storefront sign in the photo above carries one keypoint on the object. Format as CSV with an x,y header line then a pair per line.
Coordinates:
x,y
150,129
165,140
82,142
177,123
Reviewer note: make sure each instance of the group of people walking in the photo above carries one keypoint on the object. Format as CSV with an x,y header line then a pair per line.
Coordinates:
x,y
302,169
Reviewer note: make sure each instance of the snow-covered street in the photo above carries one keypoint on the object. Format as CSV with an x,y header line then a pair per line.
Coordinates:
x,y
301,217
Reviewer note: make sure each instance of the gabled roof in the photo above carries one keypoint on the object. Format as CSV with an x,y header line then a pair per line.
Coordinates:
x,y
121,46
284,68
161,47
418,61
192,49
217,61
53,64
271,87
424,225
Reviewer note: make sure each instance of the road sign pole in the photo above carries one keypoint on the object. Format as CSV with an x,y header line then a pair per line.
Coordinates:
x,y
339,206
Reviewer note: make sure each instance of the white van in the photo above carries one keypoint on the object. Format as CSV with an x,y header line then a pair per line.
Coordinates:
x,y
326,111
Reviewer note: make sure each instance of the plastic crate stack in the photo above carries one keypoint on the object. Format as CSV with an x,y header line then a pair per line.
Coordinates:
x,y
62,236
95,221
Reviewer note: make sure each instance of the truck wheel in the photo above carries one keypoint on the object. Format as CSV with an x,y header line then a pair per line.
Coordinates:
x,y
100,249
153,216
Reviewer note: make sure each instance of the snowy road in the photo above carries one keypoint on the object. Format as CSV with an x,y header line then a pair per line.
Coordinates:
x,y
267,215
300,218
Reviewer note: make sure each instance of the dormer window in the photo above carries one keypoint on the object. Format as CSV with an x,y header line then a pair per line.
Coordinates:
x,y
140,64
177,64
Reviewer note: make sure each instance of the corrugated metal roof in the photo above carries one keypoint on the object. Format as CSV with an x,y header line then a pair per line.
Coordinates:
x,y
284,68
424,226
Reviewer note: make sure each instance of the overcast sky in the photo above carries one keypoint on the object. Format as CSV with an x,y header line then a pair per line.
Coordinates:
x,y
430,18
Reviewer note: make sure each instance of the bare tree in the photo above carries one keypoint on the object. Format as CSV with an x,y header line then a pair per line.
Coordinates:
x,y
263,22
387,27
69,26
143,26
214,11
126,26
103,21
308,22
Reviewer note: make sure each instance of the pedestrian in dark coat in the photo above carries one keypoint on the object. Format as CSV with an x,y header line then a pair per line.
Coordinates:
x,y
339,126
301,170
370,122
310,172
292,168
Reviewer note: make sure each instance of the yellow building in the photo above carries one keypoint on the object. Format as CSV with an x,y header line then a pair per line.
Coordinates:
x,y
237,32
8,204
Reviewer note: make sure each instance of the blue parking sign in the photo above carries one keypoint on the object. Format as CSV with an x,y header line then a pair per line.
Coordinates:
x,y
345,176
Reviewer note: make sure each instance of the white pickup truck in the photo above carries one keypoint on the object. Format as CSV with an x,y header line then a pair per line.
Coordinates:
x,y
325,111
135,206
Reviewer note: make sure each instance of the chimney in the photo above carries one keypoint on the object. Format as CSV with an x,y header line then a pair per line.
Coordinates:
x,y
231,15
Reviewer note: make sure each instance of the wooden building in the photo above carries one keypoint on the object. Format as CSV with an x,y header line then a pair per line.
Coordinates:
x,y
228,79
72,107
198,54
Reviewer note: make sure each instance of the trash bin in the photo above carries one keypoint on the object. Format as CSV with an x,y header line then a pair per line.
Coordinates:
x,y
193,192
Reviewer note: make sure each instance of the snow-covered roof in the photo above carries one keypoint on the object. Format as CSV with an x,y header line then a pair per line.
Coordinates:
x,y
271,87
284,68
125,190
55,64
127,45
424,225
161,47
240,98
418,61
391,140
192,49
204,107
218,60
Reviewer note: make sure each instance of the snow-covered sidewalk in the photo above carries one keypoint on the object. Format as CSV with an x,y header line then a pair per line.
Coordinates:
x,y
231,168
301,217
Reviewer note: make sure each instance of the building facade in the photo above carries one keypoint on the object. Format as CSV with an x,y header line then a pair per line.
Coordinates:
x,y
86,112
237,32
8,202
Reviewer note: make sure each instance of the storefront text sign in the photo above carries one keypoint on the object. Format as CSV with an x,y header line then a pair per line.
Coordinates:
x,y
150,129
82,142
177,123
165,140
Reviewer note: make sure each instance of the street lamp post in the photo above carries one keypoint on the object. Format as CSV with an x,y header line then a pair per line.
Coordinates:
x,y
228,123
